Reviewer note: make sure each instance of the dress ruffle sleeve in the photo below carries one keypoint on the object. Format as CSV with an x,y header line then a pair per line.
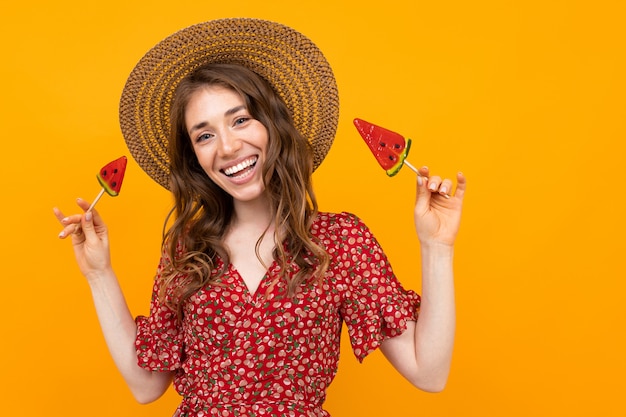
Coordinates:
x,y
375,306
159,341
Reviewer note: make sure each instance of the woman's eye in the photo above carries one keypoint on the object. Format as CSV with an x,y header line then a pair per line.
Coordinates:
x,y
204,137
241,120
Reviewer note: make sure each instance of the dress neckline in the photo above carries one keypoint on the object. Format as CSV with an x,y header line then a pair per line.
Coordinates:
x,y
232,269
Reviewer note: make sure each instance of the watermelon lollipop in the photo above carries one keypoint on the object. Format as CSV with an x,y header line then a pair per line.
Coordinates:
x,y
389,148
110,178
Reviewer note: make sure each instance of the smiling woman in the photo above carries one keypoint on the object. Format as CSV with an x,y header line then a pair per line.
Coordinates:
x,y
254,282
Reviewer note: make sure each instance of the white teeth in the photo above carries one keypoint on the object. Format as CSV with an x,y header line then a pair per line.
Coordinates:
x,y
239,167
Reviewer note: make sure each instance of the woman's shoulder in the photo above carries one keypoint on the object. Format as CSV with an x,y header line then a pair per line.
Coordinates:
x,y
340,219
327,223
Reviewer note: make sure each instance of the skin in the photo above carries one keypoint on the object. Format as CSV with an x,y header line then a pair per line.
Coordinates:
x,y
223,135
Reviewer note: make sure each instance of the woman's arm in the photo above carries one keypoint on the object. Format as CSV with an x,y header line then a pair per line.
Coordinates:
x,y
91,248
423,353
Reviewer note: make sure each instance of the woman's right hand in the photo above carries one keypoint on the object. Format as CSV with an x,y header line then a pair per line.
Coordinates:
x,y
90,240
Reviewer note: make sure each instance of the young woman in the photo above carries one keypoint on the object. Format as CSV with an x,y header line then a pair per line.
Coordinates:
x,y
254,282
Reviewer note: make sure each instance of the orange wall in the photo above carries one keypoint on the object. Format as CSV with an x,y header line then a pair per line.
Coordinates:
x,y
526,97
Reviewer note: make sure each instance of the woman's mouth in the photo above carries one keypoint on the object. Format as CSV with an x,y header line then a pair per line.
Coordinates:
x,y
241,168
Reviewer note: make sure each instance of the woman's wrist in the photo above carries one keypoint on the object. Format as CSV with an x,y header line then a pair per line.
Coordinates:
x,y
94,278
437,247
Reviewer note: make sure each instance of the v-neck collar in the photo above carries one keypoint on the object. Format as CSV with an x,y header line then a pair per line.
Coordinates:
x,y
232,270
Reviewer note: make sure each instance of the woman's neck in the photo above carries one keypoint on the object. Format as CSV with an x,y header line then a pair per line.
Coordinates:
x,y
256,214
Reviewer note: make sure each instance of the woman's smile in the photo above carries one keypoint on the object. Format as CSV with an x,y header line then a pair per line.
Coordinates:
x,y
241,169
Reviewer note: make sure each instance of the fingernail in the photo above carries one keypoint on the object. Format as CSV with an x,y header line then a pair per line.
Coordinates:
x,y
432,186
88,216
419,180
62,234
443,190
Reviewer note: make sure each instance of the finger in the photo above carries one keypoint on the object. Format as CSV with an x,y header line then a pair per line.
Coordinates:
x,y
87,226
445,187
423,195
70,223
424,171
66,220
439,186
72,229
97,220
58,214
78,231
433,183
83,204
461,185
70,220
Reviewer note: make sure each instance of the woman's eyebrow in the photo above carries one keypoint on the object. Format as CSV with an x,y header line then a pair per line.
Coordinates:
x,y
228,112
234,110
198,126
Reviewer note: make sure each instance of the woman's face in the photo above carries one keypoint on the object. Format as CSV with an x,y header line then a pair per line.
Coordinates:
x,y
230,145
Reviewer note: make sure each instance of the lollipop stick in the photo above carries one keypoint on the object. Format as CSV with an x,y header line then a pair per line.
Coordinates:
x,y
411,166
78,228
95,201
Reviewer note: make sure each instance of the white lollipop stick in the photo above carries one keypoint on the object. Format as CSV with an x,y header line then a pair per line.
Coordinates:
x,y
411,166
95,201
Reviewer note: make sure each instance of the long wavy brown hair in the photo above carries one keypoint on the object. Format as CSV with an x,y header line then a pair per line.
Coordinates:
x,y
202,211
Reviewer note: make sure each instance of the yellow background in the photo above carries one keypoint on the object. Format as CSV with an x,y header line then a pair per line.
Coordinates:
x,y
526,97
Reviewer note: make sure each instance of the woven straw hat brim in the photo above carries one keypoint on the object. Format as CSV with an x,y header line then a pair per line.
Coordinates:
x,y
293,65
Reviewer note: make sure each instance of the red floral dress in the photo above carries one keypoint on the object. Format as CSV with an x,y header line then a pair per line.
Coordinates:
x,y
266,354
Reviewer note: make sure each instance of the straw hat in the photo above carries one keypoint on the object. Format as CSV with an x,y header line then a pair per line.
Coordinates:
x,y
292,64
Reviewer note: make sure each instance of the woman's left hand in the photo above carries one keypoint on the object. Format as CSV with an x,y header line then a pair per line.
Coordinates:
x,y
438,208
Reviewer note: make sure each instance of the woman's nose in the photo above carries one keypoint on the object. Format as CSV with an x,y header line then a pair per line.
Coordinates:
x,y
228,144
